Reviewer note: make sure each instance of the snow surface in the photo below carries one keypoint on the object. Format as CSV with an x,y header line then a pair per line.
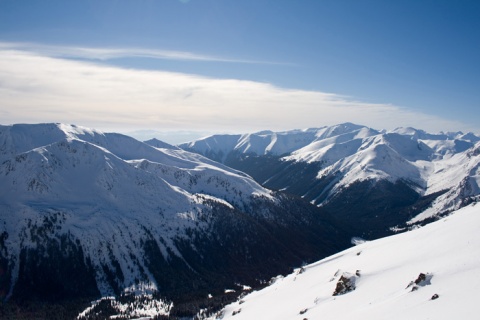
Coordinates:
x,y
445,251
268,142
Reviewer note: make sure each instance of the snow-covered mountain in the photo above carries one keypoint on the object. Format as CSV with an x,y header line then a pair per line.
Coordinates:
x,y
357,172
86,214
89,214
429,273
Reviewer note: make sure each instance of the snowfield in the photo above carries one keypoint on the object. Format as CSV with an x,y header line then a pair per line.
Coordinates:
x,y
387,277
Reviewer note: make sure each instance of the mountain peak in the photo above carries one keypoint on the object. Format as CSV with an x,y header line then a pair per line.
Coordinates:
x,y
160,144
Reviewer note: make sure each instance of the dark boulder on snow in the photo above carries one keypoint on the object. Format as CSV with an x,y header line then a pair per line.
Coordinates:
x,y
345,284
421,281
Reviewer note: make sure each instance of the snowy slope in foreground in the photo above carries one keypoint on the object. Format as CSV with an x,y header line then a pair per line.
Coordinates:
x,y
446,251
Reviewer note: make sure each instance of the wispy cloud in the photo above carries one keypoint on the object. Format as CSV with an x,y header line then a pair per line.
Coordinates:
x,y
37,88
92,53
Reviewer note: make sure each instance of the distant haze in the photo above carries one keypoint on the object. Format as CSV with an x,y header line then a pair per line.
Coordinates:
x,y
171,137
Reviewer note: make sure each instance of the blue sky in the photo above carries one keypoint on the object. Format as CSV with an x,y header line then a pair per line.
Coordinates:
x,y
285,63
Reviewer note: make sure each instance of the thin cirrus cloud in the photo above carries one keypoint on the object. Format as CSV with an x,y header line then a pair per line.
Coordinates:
x,y
93,53
40,88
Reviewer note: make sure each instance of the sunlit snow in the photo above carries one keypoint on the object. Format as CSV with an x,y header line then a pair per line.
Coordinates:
x,y
388,279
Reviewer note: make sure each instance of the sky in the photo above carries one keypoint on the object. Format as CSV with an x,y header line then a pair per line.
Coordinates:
x,y
178,69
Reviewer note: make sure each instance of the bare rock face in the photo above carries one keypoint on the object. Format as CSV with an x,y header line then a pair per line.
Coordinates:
x,y
345,284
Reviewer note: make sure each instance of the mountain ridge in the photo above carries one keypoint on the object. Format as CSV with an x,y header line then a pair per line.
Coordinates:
x,y
325,165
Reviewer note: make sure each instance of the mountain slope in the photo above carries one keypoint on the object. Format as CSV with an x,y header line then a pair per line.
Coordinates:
x,y
385,279
128,217
374,179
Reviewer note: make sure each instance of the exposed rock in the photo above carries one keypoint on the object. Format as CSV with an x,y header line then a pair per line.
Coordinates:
x,y
421,281
301,270
345,284
421,277
236,312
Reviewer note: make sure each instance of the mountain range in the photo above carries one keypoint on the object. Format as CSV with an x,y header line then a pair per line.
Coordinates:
x,y
88,215
380,179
